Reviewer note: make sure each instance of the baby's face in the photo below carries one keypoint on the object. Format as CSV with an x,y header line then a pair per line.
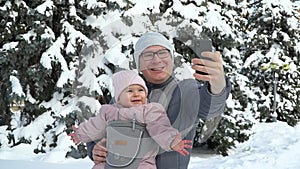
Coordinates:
x,y
134,95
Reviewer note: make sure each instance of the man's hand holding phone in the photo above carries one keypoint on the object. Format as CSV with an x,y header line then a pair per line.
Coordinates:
x,y
209,66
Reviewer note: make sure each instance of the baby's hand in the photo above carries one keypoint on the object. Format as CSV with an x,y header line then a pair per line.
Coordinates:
x,y
73,136
181,145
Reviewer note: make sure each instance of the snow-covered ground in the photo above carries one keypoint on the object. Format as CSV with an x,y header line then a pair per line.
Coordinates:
x,y
273,146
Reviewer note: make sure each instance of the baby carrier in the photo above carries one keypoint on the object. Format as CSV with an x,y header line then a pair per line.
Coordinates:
x,y
205,128
127,143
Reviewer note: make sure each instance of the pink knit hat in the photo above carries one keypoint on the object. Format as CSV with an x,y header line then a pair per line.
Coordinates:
x,y
122,79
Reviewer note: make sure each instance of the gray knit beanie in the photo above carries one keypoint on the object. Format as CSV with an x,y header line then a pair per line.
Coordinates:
x,y
151,39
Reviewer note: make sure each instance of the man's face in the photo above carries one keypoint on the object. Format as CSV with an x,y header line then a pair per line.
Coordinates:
x,y
156,70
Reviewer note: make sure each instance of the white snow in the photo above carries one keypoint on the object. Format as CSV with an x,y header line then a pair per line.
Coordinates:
x,y
272,146
16,86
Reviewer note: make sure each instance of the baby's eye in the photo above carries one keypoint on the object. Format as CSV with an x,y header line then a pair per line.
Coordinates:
x,y
129,91
141,90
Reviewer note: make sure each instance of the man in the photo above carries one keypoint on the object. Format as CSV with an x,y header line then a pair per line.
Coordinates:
x,y
185,101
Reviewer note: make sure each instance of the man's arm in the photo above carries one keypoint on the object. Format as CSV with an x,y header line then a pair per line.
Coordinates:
x,y
215,106
90,147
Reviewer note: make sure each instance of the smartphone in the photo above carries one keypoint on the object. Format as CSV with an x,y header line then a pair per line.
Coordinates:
x,y
201,45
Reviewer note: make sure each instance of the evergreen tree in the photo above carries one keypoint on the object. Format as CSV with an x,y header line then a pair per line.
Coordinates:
x,y
24,37
272,60
59,55
70,76
41,42
188,30
227,37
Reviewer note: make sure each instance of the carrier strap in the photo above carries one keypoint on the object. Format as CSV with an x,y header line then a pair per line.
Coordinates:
x,y
163,96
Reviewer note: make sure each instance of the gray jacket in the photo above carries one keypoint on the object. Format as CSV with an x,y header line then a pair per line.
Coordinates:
x,y
189,101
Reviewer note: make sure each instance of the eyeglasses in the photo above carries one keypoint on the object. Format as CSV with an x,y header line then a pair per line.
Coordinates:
x,y
163,53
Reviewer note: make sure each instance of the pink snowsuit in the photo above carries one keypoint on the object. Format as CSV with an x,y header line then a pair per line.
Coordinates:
x,y
151,114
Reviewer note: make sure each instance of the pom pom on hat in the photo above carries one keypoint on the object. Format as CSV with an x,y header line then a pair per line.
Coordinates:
x,y
122,79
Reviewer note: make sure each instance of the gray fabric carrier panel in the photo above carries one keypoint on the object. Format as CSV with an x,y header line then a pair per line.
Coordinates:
x,y
127,143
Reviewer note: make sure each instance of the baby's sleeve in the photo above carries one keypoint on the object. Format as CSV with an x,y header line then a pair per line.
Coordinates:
x,y
159,126
94,128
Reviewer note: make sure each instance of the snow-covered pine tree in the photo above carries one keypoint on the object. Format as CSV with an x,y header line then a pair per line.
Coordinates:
x,y
78,78
70,81
41,42
171,20
222,22
272,51
24,37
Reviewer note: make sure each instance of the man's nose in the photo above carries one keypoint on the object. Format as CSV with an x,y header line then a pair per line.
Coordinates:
x,y
156,58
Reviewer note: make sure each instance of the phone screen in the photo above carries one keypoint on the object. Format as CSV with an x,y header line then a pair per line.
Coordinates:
x,y
200,46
